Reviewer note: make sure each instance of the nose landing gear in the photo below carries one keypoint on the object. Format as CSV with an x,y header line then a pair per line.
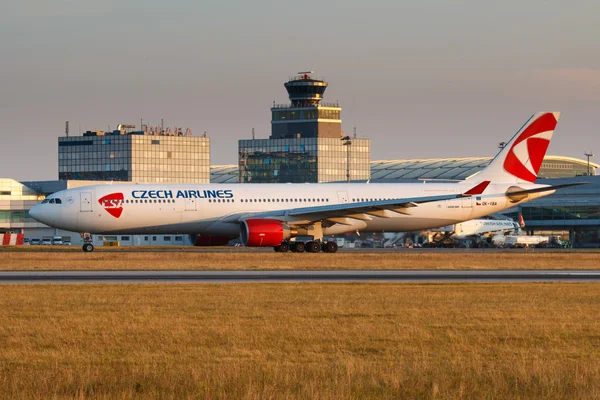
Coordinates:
x,y
87,247
87,242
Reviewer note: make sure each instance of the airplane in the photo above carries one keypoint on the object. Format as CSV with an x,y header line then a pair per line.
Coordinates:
x,y
279,215
473,229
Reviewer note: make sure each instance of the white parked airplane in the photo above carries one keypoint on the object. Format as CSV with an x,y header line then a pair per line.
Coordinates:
x,y
474,229
274,214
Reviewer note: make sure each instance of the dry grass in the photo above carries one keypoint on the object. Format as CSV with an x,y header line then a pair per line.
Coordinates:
x,y
324,341
236,260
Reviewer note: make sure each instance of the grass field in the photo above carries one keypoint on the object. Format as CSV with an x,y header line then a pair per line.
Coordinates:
x,y
239,260
312,341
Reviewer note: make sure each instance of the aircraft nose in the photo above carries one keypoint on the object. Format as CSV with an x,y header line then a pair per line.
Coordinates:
x,y
36,213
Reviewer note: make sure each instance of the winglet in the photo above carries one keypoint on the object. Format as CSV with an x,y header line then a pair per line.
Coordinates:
x,y
479,189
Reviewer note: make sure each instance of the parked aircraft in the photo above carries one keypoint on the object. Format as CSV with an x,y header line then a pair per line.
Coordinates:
x,y
474,229
275,214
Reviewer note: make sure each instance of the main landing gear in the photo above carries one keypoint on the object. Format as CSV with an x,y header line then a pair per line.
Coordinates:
x,y
312,246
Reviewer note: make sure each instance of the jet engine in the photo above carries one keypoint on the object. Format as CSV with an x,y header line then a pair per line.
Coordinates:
x,y
256,232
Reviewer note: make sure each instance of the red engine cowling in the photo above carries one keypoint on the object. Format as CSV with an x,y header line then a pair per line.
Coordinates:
x,y
206,240
263,232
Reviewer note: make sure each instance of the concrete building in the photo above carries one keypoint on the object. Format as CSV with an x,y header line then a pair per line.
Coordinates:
x,y
151,155
307,143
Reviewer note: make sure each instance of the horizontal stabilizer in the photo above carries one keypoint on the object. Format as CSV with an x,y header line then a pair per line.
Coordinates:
x,y
545,188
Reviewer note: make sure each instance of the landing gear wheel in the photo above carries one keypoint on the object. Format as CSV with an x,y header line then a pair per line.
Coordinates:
x,y
298,247
284,247
87,247
330,247
313,247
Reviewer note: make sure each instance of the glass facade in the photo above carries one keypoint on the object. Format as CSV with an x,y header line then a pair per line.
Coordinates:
x,y
15,201
136,158
303,160
572,213
309,113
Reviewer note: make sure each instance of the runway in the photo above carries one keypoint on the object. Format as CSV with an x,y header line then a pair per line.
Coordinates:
x,y
27,277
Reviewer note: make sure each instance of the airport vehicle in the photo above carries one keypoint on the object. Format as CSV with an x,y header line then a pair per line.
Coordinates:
x,y
275,214
57,240
35,241
26,242
46,240
524,241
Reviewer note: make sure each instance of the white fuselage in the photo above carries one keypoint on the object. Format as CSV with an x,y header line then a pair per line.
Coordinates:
x,y
203,208
478,227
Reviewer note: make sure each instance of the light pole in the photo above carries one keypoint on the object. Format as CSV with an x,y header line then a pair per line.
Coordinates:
x,y
348,143
588,155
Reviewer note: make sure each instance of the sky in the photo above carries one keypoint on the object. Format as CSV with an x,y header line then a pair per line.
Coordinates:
x,y
419,78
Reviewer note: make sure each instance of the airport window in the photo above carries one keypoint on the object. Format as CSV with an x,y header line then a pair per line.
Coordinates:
x,y
127,238
146,238
154,238
167,238
4,192
179,238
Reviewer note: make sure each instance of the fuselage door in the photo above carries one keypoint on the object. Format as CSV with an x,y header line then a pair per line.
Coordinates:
x,y
86,202
467,202
342,197
190,204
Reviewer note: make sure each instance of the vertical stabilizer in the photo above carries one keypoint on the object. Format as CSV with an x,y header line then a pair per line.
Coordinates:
x,y
520,160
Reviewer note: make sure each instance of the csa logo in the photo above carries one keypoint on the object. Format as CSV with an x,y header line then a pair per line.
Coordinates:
x,y
113,203
527,153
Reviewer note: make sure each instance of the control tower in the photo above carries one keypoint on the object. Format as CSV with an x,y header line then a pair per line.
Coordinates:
x,y
305,116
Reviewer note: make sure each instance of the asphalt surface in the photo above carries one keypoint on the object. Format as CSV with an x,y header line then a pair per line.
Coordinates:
x,y
296,276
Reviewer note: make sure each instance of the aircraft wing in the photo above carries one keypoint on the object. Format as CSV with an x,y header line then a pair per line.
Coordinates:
x,y
359,210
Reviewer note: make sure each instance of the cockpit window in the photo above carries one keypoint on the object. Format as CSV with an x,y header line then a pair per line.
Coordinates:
x,y
58,201
45,201
51,201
